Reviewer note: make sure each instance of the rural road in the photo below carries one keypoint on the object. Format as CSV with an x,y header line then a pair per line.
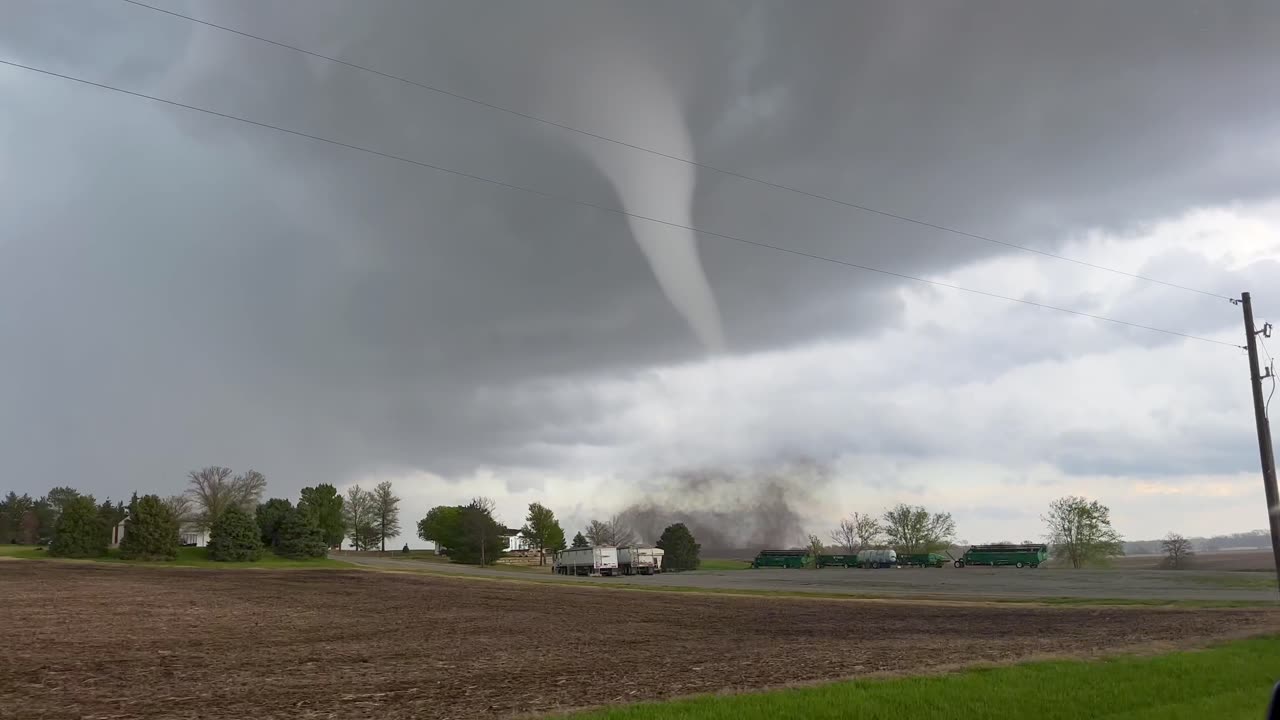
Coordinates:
x,y
969,583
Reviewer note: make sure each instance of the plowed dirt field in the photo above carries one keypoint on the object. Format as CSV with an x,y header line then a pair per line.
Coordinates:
x,y
102,641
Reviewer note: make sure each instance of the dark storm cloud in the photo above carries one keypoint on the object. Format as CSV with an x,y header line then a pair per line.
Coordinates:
x,y
180,290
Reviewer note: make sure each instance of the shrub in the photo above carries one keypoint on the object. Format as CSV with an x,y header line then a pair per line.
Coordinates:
x,y
299,537
234,537
79,532
150,532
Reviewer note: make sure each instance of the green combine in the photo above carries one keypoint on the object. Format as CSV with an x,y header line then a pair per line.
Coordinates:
x,y
781,559
1018,556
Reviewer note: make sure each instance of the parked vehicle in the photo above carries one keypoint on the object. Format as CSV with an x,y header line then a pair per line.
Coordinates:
x,y
838,561
877,559
922,560
781,559
599,560
1018,556
640,560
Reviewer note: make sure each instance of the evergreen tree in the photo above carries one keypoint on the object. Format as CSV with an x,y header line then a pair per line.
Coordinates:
x,y
679,550
150,532
79,531
299,538
579,541
324,506
234,537
269,516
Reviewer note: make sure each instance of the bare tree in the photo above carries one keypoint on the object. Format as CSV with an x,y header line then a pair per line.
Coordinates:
x,y
386,511
213,490
815,550
846,536
1177,551
613,531
359,513
856,532
181,508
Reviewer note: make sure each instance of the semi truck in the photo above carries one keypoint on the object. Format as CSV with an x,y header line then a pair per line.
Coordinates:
x,y
639,560
598,560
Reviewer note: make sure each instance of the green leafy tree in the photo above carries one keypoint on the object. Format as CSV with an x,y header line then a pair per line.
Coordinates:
x,y
912,529
679,549
109,517
150,532
467,533
1080,531
59,497
79,532
234,537
543,531
555,540
45,517
579,541
298,538
386,511
324,506
270,515
14,509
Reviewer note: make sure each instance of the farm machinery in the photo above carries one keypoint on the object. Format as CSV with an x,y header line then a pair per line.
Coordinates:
x,y
1019,556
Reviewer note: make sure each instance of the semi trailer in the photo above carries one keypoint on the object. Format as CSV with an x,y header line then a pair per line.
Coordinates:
x,y
639,560
598,560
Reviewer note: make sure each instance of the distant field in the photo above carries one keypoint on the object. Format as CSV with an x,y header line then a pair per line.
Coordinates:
x,y
187,557
1226,682
1255,560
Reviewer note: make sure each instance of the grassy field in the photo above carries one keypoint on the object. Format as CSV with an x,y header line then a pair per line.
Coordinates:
x,y
187,557
715,564
1264,581
1227,682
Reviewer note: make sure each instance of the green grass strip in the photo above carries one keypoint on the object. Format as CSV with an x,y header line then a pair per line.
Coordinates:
x,y
1223,683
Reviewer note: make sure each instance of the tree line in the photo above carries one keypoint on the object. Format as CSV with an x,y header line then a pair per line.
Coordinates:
x,y
227,506
472,534
1078,530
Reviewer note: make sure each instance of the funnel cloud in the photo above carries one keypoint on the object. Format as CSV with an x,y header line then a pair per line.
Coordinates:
x,y
655,187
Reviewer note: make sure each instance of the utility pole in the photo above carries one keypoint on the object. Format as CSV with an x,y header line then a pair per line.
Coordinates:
x,y
1264,428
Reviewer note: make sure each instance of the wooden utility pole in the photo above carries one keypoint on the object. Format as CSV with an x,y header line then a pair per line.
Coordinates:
x,y
1264,428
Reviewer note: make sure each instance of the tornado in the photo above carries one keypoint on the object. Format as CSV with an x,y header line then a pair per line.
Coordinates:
x,y
634,103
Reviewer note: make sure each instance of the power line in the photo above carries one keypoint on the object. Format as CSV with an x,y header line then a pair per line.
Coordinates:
x,y
603,208
677,158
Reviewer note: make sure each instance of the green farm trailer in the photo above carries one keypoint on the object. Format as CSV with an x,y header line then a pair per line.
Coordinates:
x,y
847,561
1001,555
781,559
922,560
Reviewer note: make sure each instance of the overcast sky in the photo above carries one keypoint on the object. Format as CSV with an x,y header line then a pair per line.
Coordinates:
x,y
179,290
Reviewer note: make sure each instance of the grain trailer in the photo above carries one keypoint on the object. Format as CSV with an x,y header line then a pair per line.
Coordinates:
x,y
1028,555
598,560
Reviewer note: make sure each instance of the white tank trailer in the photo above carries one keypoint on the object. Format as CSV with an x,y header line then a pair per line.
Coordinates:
x,y
599,560
877,558
639,560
